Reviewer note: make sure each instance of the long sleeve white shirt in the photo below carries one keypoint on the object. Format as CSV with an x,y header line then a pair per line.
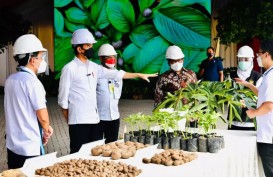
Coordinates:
x,y
77,90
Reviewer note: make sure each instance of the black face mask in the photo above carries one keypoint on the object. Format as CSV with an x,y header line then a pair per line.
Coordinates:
x,y
89,53
209,55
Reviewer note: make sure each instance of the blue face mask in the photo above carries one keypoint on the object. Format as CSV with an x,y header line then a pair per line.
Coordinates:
x,y
244,65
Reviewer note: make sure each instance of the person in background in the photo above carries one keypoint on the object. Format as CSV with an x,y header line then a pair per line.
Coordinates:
x,y
27,120
245,72
176,78
264,111
211,69
108,95
77,90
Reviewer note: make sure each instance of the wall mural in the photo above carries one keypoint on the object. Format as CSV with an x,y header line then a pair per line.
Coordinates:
x,y
140,31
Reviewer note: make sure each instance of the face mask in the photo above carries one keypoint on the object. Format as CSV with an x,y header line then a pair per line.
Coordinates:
x,y
259,60
110,62
177,66
42,67
244,65
209,55
89,53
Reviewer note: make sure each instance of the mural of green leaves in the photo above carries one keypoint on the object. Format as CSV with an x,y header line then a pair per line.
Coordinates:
x,y
140,31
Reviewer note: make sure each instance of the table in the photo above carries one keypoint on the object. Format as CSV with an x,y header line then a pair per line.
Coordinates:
x,y
239,158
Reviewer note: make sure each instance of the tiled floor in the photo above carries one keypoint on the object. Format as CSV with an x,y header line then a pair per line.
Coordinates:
x,y
60,141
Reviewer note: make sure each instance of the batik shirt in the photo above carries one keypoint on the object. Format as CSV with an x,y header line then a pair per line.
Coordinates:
x,y
170,81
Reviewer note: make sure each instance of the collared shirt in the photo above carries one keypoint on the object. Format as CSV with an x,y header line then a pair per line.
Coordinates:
x,y
77,90
24,95
211,69
170,81
108,95
265,122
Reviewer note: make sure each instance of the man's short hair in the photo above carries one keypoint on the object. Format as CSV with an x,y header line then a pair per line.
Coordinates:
x,y
23,59
75,46
267,46
210,48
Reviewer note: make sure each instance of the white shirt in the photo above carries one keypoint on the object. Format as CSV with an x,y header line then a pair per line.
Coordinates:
x,y
265,122
77,90
24,95
108,95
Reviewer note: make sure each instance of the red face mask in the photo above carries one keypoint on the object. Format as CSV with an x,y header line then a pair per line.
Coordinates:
x,y
111,61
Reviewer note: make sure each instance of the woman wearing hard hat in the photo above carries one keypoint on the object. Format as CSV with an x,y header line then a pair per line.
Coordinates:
x,y
27,120
108,95
175,78
77,90
245,72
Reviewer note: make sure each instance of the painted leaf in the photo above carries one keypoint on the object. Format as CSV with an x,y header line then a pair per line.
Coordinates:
x,y
63,52
193,58
121,14
129,53
61,3
79,4
76,15
150,58
143,33
113,34
72,26
87,3
183,26
183,3
58,21
143,4
98,14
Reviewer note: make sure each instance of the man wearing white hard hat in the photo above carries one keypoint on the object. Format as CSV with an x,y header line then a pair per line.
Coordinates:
x,y
176,78
27,120
77,90
245,72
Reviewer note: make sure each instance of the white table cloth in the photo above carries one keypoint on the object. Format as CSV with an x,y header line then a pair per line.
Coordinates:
x,y
239,158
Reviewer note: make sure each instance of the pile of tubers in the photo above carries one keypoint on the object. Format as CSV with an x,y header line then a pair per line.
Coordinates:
x,y
13,173
117,150
89,168
171,157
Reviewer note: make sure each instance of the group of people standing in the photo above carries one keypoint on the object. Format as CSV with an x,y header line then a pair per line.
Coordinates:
x,y
89,94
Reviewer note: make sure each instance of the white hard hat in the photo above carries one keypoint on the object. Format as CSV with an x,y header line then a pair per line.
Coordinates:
x,y
82,36
106,50
27,43
245,51
174,53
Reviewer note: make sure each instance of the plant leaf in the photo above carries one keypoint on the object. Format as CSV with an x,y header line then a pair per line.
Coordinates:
x,y
63,52
76,15
61,3
183,26
87,3
72,26
143,33
58,21
79,4
143,4
98,14
129,53
121,14
156,55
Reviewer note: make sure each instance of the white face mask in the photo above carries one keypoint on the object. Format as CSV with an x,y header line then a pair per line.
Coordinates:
x,y
42,67
259,60
111,66
177,66
244,65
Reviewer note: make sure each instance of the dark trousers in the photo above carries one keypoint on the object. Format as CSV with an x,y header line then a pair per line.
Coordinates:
x,y
15,160
109,130
233,127
266,153
82,133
